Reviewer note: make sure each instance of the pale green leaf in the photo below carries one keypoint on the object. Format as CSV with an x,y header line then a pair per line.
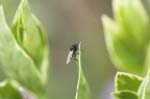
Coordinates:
x,y
31,37
134,27
15,62
144,89
121,50
127,36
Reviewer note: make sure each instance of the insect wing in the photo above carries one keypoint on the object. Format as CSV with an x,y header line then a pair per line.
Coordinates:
x,y
69,57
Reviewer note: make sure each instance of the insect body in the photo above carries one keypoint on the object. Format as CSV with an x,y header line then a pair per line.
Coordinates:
x,y
72,53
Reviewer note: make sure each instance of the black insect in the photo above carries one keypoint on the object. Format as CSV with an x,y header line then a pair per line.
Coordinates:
x,y
72,53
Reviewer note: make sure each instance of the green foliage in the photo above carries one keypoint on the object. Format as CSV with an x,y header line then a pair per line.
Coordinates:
x,y
125,95
125,81
25,27
127,40
83,91
129,86
127,37
9,90
24,53
126,86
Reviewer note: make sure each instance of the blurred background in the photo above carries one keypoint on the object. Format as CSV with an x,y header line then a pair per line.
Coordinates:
x,y
67,22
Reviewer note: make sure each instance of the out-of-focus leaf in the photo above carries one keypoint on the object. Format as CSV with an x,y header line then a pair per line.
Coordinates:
x,y
126,81
16,63
82,91
125,95
147,60
26,94
144,89
125,12
9,90
127,37
121,54
31,37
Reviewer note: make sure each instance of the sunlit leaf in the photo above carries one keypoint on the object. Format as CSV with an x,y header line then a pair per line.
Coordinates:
x,y
126,81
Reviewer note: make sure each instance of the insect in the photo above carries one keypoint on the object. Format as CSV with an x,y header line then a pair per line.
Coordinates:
x,y
72,53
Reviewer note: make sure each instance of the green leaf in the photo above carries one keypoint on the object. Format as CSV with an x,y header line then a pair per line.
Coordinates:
x,y
82,91
127,36
122,53
9,90
31,37
15,63
126,81
144,89
125,12
125,95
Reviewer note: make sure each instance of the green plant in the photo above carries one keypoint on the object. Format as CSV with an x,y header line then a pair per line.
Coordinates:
x,y
83,91
23,60
127,39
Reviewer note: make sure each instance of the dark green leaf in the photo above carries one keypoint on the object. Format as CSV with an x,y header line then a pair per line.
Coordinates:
x,y
125,95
